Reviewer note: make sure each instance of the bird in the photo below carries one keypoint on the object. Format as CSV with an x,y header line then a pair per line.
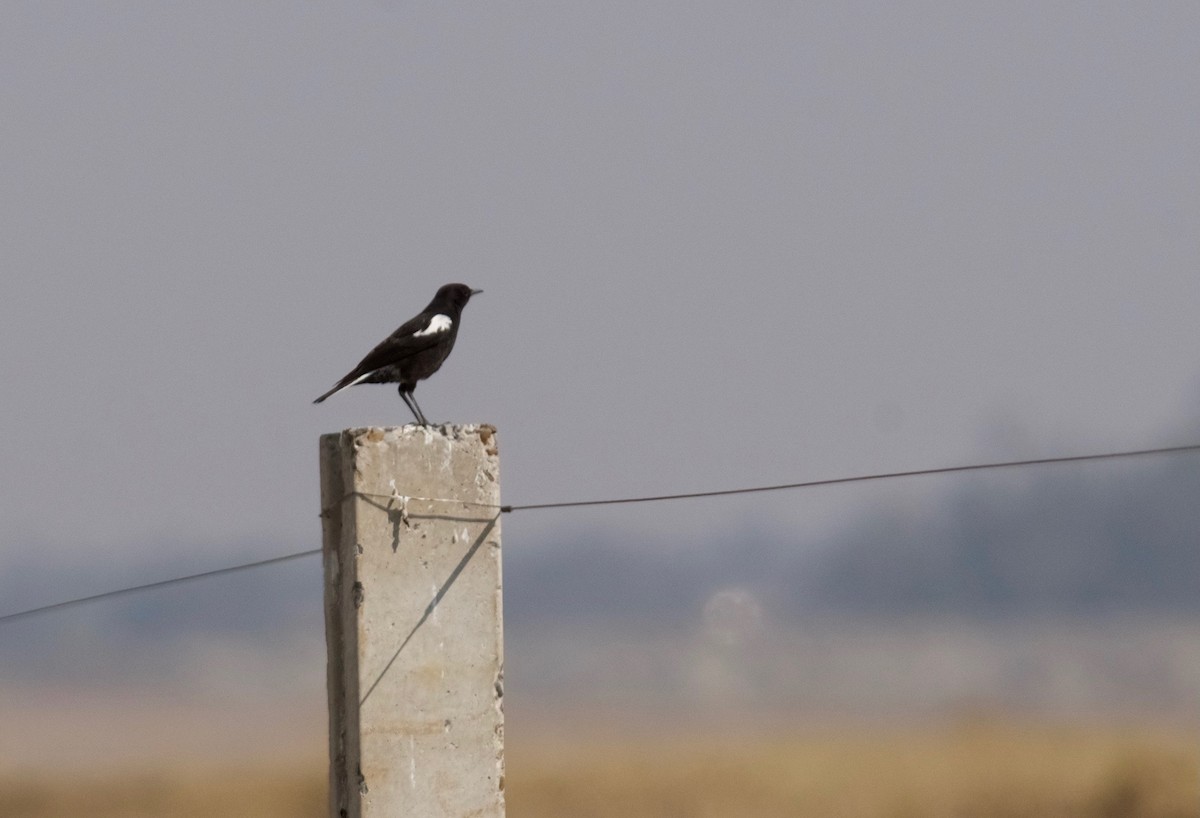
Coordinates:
x,y
416,350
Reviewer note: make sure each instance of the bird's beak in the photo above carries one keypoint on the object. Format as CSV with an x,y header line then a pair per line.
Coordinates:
x,y
476,292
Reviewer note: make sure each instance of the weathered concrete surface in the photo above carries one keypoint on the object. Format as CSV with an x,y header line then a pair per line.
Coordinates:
x,y
413,621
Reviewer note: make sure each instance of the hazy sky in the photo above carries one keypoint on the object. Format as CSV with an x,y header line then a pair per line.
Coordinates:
x,y
722,244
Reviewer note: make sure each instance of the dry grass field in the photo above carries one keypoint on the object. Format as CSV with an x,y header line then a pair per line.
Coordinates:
x,y
966,772
980,771
169,792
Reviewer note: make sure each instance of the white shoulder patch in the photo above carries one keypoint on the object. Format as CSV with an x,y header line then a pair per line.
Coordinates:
x,y
439,323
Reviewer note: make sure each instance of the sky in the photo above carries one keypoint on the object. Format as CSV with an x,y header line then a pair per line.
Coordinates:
x,y
721,245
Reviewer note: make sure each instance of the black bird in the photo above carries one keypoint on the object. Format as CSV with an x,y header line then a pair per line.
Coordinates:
x,y
416,350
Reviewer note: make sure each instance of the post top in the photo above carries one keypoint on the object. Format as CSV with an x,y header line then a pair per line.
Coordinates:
x,y
445,432
444,429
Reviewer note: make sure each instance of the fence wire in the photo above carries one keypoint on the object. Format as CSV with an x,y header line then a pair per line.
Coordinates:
x,y
508,509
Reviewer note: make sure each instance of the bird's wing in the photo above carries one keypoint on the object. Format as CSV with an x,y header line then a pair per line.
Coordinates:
x,y
414,335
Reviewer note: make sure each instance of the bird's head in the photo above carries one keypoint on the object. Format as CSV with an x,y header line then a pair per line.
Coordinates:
x,y
456,295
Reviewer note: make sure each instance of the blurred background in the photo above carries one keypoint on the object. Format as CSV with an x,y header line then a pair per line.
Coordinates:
x,y
722,245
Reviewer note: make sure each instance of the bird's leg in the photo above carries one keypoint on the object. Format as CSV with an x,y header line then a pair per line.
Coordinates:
x,y
411,401
409,404
420,414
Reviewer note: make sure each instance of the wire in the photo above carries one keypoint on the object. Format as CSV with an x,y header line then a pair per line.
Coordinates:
x,y
160,584
404,500
1042,461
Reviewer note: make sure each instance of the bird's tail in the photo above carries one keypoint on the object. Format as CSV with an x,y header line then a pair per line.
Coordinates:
x,y
357,376
330,392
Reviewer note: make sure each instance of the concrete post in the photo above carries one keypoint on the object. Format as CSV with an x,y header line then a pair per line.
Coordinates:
x,y
413,622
